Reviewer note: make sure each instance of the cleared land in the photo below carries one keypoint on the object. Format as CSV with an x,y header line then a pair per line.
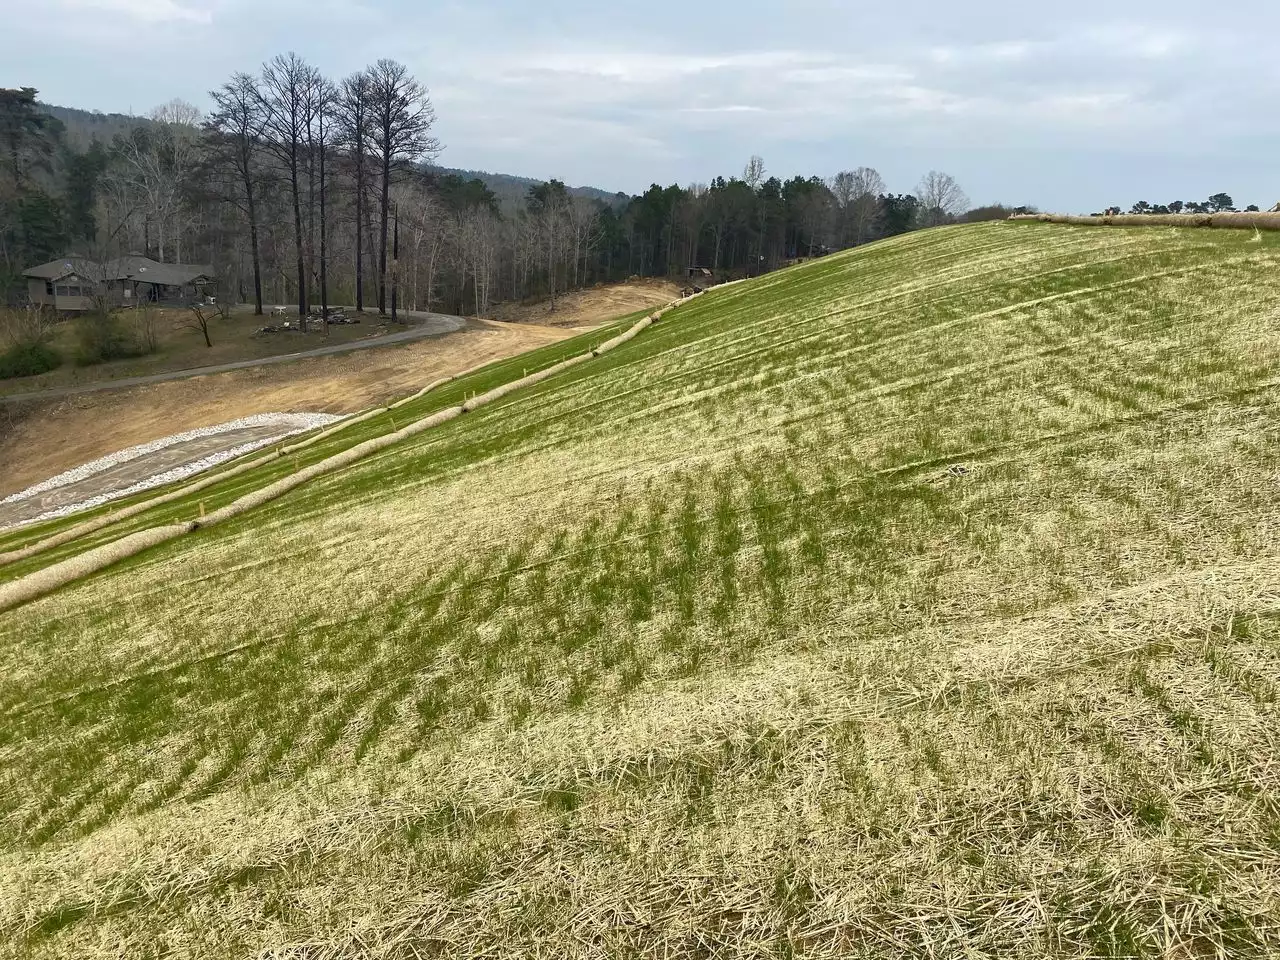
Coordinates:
x,y
40,440
593,306
180,347
923,600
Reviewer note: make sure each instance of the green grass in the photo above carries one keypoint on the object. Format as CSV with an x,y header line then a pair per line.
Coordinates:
x,y
919,600
219,495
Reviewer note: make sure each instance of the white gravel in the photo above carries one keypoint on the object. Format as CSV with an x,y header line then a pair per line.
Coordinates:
x,y
288,424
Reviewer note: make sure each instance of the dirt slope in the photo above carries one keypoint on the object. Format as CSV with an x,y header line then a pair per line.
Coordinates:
x,y
41,440
587,308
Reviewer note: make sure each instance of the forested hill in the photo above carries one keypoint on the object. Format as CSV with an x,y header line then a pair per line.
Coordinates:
x,y
507,187
82,127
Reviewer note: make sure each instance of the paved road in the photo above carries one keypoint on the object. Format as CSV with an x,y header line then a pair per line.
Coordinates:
x,y
425,325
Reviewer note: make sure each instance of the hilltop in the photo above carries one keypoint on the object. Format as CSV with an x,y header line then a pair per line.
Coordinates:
x,y
82,127
920,600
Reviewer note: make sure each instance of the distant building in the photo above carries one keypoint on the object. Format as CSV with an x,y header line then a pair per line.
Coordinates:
x,y
69,285
699,279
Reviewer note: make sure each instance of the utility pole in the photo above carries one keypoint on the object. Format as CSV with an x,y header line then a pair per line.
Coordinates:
x,y
395,262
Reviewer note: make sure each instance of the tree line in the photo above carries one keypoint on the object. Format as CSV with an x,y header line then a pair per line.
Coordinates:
x,y
1218,203
298,189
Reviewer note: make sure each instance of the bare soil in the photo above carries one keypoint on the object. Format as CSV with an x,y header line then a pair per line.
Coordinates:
x,y
592,307
40,439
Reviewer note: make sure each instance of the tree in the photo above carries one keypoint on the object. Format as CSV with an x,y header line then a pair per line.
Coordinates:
x,y
234,140
1222,203
153,164
27,138
941,198
320,135
84,172
202,317
856,195
548,204
286,84
402,118
353,111
753,177
23,134
899,214
424,222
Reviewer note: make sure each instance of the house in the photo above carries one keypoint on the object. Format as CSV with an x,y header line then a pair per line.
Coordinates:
x,y
66,285
69,285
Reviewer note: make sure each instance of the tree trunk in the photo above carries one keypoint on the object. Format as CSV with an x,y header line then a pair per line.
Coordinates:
x,y
384,211
253,246
297,237
311,212
359,227
324,240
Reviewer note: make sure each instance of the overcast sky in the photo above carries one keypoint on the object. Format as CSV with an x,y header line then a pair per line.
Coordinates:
x,y
1071,106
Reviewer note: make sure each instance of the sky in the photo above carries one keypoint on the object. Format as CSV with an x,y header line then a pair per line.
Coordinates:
x,y
1071,107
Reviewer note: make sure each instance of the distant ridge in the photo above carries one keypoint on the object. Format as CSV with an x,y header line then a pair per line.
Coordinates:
x,y
508,185
82,127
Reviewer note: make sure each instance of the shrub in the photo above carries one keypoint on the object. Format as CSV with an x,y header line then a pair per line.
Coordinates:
x,y
28,360
100,338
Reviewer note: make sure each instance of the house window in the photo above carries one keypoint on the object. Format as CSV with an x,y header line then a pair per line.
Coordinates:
x,y
48,288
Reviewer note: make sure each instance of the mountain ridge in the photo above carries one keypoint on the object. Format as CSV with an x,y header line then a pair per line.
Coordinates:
x,y
82,127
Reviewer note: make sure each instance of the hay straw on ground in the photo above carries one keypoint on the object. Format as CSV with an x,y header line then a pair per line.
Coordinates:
x,y
45,581
126,513
1221,221
623,337
433,385
106,520
60,574
336,462
506,388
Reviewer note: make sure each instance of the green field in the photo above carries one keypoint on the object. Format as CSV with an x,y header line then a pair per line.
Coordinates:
x,y
923,600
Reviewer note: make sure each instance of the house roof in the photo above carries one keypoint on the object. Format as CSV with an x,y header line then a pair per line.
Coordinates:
x,y
146,270
132,267
65,267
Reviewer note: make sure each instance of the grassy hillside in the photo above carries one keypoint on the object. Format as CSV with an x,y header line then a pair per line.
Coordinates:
x,y
920,600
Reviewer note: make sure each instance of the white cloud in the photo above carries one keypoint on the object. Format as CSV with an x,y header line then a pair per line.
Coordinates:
x,y
143,11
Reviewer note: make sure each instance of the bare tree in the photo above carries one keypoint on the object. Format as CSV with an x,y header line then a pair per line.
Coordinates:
x,y
286,83
940,198
353,118
234,141
548,204
402,118
320,135
202,318
425,224
177,112
753,176
857,198
154,164
477,247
